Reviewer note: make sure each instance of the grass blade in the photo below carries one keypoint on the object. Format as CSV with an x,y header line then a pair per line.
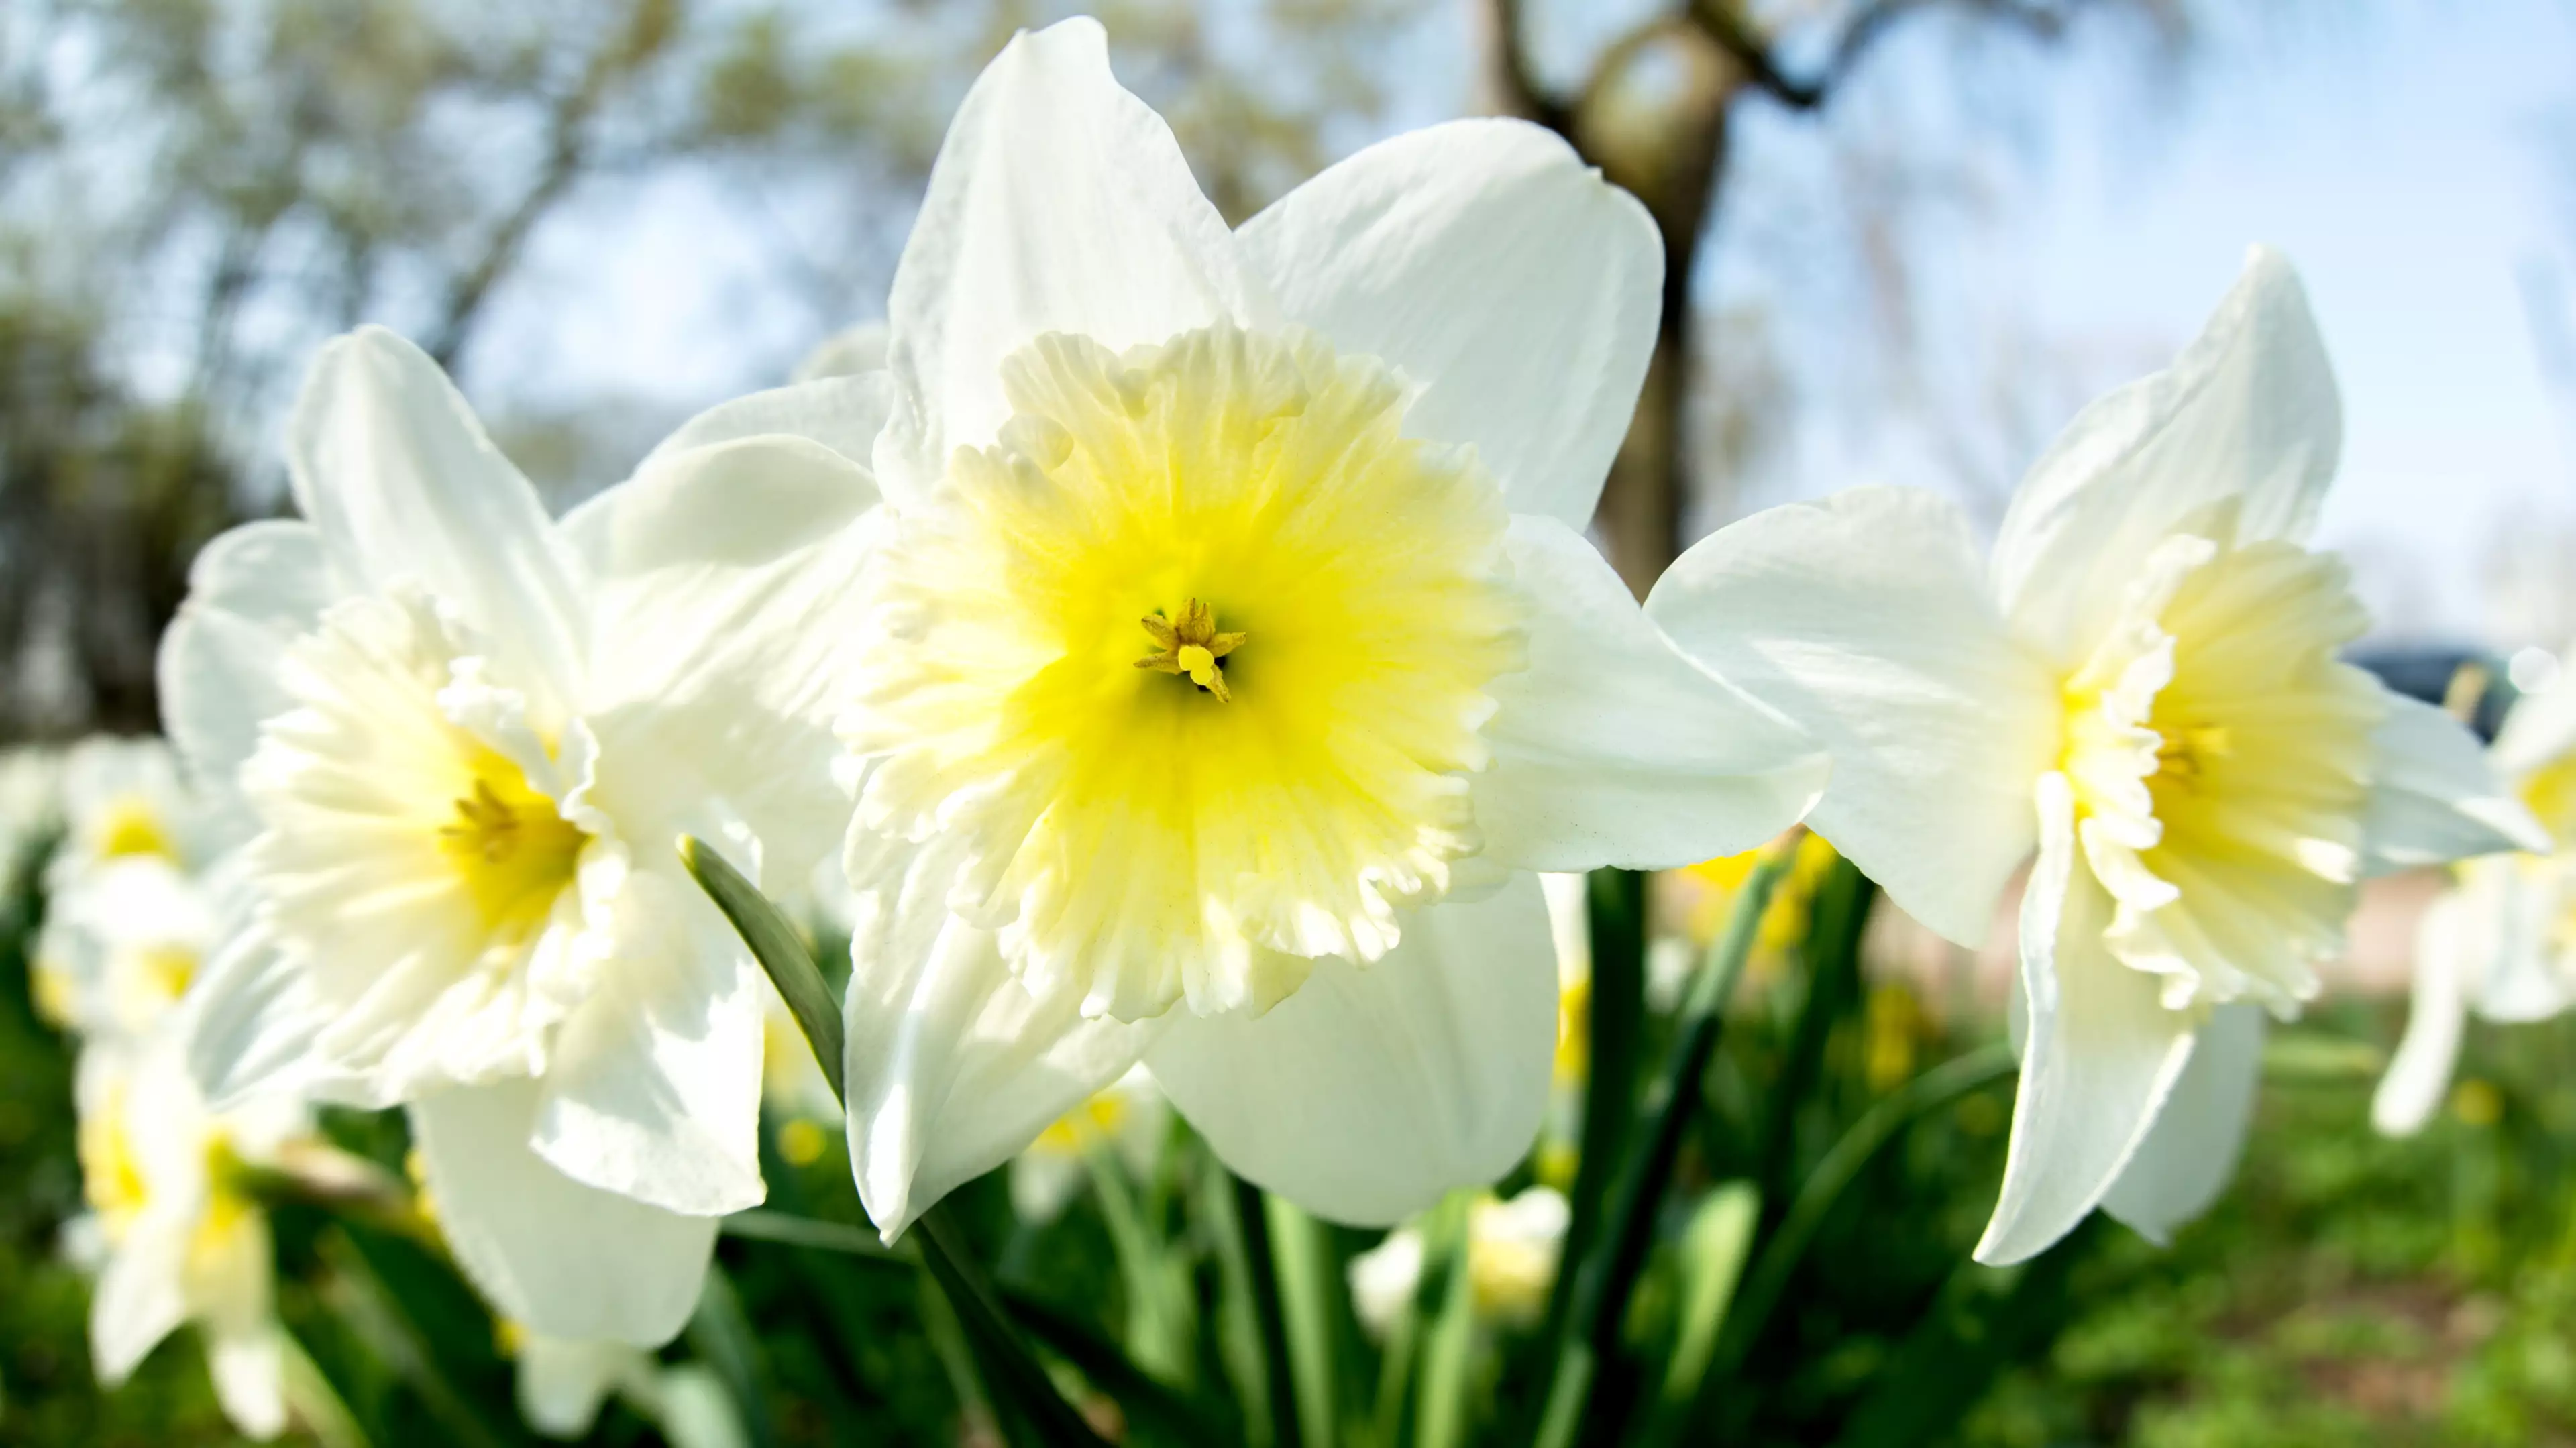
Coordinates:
x,y
1608,1271
781,950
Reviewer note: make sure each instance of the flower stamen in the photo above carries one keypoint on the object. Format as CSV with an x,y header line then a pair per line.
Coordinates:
x,y
1192,647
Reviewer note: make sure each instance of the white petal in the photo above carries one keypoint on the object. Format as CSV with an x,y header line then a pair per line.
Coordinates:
x,y
2191,1152
249,1371
1517,288
249,1021
251,593
561,1383
1863,619
2246,415
724,581
1372,1091
2435,796
850,352
2420,1072
654,1091
561,1258
1613,749
2509,926
2540,728
843,413
391,465
2102,1054
1059,203
139,1297
952,1066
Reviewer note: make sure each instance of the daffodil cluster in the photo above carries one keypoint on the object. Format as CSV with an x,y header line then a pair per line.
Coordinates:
x,y
134,902
1187,639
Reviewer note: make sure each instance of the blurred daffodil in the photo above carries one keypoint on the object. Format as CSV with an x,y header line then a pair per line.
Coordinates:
x,y
1128,1118
454,740
170,1233
1512,1256
2502,941
1233,653
2145,687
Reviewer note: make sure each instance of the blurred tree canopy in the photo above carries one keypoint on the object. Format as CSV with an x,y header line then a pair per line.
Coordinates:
x,y
194,194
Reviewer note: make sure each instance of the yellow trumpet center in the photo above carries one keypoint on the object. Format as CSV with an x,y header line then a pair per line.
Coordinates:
x,y
1251,500
513,850
2220,757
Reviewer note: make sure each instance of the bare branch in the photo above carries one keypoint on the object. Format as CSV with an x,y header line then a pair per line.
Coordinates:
x,y
1727,25
1508,86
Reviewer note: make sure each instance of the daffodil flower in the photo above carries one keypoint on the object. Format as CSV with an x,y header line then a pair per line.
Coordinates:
x,y
2143,687
1128,1116
1232,652
169,1232
128,913
1512,1252
455,740
2502,941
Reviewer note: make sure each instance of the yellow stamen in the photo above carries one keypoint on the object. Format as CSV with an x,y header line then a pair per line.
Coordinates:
x,y
1192,647
515,850
2184,751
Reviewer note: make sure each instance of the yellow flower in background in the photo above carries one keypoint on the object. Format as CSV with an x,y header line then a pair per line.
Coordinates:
x,y
2143,693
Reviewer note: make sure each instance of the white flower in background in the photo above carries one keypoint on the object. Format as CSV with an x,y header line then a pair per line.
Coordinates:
x,y
124,799
2502,941
127,917
563,1383
1234,652
1512,1253
171,1237
851,352
1129,1117
120,945
31,807
1569,922
457,740
2145,687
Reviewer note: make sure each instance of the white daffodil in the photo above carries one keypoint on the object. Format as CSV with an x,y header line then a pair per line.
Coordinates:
x,y
2145,687
170,1235
124,799
1512,1252
128,914
2502,941
562,1384
31,805
457,740
120,944
1129,1117
1232,652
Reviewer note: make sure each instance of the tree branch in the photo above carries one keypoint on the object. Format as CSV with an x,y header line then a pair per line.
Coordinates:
x,y
1509,87
1727,25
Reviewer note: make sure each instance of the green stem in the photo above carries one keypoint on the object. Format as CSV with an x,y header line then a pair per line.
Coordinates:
x,y
1012,1373
1261,1266
1614,1022
1608,1272
1310,1300
1881,1124
1014,1376
1441,1417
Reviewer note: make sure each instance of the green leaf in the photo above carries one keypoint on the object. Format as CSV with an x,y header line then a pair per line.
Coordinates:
x,y
1714,1248
780,948
1608,1272
1018,1384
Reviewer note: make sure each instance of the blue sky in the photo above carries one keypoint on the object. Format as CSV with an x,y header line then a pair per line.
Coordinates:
x,y
2399,152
